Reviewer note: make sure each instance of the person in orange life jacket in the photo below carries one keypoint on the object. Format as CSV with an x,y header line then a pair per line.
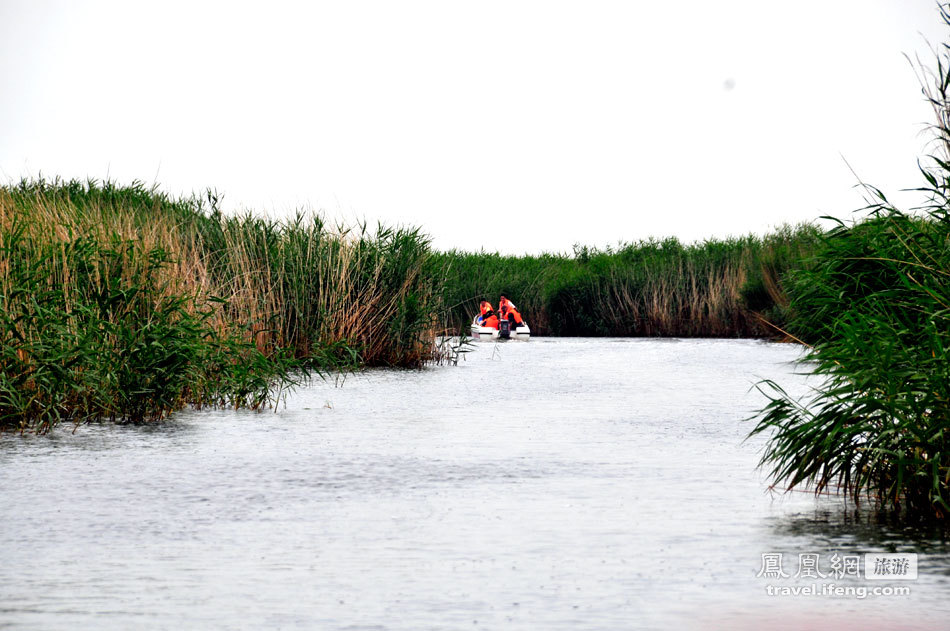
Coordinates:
x,y
488,317
507,311
504,301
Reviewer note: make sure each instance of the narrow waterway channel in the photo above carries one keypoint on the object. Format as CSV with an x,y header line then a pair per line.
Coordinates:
x,y
554,484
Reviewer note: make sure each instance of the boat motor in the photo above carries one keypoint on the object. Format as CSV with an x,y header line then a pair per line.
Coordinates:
x,y
504,329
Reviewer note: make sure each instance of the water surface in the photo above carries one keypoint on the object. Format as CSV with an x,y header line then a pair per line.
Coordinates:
x,y
555,484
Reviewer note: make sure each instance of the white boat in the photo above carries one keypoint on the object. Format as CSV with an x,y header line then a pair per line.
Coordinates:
x,y
504,331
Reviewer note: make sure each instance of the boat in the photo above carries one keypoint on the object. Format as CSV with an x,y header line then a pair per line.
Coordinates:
x,y
506,331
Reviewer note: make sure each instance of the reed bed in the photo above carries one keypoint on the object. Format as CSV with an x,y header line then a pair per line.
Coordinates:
x,y
717,288
874,303
120,303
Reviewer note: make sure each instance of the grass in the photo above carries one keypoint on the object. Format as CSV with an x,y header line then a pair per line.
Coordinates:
x,y
120,303
874,302
717,288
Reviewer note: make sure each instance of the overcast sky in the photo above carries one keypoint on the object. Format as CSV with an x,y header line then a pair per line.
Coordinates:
x,y
511,126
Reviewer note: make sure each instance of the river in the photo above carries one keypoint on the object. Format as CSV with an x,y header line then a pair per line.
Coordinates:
x,y
554,484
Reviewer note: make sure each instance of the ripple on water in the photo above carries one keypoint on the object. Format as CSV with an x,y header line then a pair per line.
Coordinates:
x,y
558,484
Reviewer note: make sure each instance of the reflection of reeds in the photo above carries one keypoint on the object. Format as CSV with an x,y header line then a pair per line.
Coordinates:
x,y
875,303
652,288
118,302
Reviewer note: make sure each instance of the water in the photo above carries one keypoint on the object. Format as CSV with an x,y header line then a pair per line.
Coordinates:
x,y
555,484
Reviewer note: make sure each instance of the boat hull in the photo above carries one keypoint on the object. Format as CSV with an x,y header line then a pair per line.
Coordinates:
x,y
487,333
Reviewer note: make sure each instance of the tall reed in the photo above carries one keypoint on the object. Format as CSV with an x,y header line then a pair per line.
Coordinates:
x,y
717,288
118,302
875,303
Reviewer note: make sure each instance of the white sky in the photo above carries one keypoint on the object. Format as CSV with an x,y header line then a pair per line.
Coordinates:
x,y
511,126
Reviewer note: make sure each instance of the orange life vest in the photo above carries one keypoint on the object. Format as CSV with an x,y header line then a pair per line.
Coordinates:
x,y
507,311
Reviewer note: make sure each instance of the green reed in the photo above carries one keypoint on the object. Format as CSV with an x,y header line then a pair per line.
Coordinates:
x,y
875,303
121,303
716,288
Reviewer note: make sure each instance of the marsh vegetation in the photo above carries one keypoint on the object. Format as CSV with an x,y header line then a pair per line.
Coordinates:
x,y
120,303
653,288
874,303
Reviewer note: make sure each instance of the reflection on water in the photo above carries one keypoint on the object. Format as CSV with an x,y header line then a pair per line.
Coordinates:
x,y
555,484
863,530
834,528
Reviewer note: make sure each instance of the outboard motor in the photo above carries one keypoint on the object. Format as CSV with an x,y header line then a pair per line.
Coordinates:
x,y
504,329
